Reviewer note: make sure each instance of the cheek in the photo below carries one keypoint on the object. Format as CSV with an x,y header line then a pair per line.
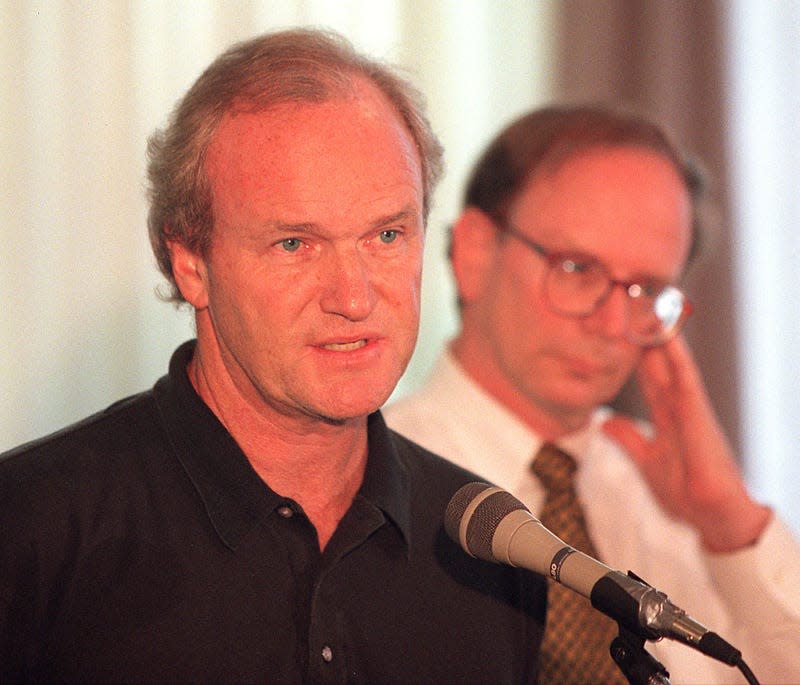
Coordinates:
x,y
515,303
629,359
245,304
400,285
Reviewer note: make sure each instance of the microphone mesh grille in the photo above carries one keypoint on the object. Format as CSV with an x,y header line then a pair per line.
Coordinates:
x,y
458,505
483,524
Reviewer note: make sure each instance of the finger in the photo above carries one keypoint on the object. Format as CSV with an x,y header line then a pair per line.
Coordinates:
x,y
625,431
671,383
655,367
681,367
685,391
657,391
661,474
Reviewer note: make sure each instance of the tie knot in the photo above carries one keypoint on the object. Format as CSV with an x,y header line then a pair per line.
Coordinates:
x,y
554,468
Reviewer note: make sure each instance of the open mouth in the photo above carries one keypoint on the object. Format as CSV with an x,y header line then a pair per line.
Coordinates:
x,y
346,346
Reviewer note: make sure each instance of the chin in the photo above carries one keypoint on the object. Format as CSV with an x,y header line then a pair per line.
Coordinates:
x,y
342,411
580,401
342,420
352,394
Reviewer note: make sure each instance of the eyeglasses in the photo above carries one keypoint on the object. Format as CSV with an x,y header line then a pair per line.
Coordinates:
x,y
576,285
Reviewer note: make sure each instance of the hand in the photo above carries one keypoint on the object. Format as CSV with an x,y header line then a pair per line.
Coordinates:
x,y
688,461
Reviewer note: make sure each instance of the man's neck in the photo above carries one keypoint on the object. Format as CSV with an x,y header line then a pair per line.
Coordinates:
x,y
549,423
318,464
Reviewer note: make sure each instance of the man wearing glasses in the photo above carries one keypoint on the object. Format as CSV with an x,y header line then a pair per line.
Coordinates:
x,y
578,224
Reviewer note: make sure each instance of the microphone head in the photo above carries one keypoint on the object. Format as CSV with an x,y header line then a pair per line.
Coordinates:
x,y
473,514
457,507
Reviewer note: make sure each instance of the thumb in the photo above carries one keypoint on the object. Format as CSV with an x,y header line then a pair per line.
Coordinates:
x,y
629,434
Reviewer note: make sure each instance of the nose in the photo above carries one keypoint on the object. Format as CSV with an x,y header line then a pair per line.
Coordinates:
x,y
611,319
347,289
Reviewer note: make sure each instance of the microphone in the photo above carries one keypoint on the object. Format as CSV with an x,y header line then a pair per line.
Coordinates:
x,y
491,524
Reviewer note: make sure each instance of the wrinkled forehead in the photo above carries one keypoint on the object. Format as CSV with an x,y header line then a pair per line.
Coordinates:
x,y
337,163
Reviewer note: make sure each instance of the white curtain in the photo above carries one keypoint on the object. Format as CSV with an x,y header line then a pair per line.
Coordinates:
x,y
85,82
764,147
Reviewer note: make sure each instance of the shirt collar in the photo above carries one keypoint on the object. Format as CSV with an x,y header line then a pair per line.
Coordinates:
x,y
488,417
387,480
234,496
487,423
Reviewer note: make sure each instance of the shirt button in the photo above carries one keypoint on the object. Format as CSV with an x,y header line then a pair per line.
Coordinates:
x,y
286,512
327,654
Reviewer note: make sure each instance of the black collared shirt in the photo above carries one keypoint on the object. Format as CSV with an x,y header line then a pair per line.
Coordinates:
x,y
140,546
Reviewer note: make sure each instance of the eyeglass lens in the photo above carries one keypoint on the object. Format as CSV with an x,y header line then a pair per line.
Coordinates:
x,y
577,286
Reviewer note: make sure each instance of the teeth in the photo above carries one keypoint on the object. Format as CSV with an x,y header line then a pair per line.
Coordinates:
x,y
346,347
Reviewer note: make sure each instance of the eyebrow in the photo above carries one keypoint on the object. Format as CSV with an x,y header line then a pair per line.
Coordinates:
x,y
403,215
408,212
533,243
638,277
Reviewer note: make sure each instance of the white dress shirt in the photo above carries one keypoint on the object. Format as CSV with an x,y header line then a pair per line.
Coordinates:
x,y
751,598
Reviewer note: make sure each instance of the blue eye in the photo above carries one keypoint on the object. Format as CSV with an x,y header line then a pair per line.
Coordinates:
x,y
291,244
388,236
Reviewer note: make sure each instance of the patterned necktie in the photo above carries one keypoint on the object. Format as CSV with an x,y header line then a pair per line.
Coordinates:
x,y
577,636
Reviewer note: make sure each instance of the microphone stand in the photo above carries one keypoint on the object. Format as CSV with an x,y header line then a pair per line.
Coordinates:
x,y
635,662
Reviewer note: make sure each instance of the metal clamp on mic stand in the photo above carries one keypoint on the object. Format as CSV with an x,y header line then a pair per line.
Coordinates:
x,y
635,662
627,650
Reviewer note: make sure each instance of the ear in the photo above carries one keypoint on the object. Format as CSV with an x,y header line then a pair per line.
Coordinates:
x,y
473,246
190,273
